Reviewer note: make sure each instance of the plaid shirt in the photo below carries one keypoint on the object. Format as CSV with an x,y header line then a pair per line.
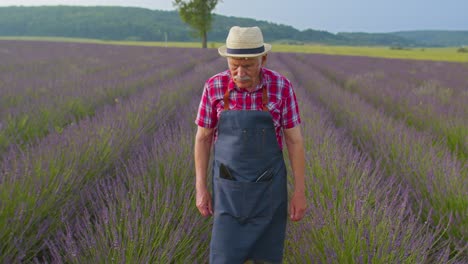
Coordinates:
x,y
282,102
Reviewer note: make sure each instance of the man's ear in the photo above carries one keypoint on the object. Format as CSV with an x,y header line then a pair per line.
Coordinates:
x,y
264,59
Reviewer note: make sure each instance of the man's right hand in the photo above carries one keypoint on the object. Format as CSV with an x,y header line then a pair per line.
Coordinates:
x,y
203,202
203,140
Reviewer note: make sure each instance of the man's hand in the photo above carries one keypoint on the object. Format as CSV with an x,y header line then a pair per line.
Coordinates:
x,y
203,202
295,145
298,206
203,140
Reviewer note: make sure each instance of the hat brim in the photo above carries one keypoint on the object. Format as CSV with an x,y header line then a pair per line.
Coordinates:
x,y
223,52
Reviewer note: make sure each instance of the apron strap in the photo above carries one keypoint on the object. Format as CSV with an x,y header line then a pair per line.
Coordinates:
x,y
226,99
264,99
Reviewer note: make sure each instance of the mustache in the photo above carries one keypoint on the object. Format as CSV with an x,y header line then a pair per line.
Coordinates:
x,y
242,79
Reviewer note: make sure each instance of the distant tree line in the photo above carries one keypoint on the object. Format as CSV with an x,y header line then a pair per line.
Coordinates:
x,y
108,23
130,23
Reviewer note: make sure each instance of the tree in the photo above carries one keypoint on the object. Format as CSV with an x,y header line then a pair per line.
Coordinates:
x,y
197,13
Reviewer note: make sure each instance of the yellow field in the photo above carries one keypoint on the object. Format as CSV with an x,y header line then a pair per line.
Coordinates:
x,y
437,54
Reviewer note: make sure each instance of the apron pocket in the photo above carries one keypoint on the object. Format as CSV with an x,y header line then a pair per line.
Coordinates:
x,y
257,199
228,197
243,200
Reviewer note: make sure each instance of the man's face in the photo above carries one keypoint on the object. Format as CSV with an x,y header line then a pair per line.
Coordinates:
x,y
246,71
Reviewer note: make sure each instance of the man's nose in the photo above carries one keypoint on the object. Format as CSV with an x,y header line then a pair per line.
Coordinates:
x,y
240,71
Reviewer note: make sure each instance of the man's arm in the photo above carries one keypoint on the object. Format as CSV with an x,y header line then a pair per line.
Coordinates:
x,y
295,145
203,140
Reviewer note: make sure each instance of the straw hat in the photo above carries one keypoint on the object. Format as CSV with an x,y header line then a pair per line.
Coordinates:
x,y
244,42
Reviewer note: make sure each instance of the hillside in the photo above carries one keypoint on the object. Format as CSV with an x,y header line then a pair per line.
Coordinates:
x,y
436,37
130,23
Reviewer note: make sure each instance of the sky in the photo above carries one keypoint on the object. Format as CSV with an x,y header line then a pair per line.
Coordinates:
x,y
330,15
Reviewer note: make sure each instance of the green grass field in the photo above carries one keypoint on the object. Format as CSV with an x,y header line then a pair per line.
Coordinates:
x,y
435,54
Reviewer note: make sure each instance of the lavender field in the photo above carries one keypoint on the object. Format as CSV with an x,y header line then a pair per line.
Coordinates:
x,y
96,160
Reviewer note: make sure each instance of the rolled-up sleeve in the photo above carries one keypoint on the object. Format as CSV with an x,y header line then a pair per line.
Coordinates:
x,y
290,114
206,115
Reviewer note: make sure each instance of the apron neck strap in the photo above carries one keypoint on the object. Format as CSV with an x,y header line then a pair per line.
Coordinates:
x,y
264,99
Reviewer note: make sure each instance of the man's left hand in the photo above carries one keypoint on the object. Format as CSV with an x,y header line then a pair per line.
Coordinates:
x,y
297,206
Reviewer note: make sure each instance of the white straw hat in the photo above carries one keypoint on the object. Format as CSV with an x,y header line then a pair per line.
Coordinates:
x,y
244,42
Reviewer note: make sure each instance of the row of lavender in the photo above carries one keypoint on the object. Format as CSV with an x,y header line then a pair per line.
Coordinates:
x,y
42,187
145,213
356,214
437,180
48,86
426,95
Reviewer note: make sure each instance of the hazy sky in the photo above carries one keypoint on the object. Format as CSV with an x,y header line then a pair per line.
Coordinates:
x,y
330,15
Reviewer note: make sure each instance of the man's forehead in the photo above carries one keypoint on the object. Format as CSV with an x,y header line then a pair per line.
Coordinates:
x,y
243,58
243,61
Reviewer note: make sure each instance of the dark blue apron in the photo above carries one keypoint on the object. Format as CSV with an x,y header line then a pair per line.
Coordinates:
x,y
249,188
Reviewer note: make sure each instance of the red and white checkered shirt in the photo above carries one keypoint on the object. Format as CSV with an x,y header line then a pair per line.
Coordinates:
x,y
282,103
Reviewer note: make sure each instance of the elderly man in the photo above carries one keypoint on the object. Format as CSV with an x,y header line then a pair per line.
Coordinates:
x,y
245,111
